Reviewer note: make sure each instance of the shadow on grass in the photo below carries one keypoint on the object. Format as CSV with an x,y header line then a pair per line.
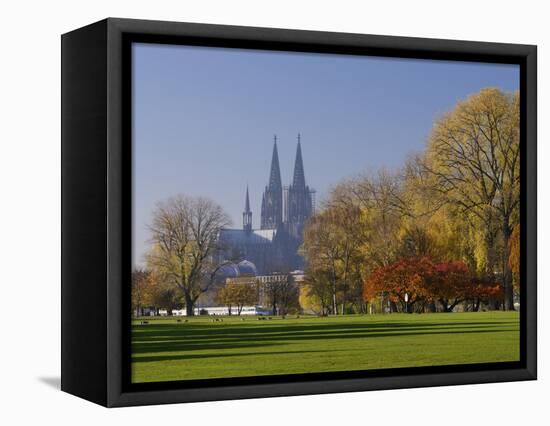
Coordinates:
x,y
156,331
173,338
153,358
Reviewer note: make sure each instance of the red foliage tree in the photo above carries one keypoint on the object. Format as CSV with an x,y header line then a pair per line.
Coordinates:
x,y
424,280
408,276
485,289
450,284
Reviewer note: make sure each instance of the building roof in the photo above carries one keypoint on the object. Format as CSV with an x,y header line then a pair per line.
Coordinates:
x,y
245,268
242,237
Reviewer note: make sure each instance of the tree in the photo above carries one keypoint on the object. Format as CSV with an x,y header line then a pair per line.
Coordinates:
x,y
485,289
282,295
359,229
450,284
225,298
426,282
166,296
332,246
383,205
473,158
408,278
238,294
323,250
141,290
184,234
514,257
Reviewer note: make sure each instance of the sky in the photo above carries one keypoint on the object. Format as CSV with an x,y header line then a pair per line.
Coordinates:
x,y
203,119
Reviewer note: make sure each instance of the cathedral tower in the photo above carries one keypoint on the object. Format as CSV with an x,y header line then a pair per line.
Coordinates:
x,y
299,202
272,198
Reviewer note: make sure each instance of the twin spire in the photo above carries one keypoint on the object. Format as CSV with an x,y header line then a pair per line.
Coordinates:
x,y
275,185
298,180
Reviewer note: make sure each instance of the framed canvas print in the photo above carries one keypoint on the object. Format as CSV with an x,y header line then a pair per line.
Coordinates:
x,y
253,212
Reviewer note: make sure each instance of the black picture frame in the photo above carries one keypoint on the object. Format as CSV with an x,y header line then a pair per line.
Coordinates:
x,y
96,211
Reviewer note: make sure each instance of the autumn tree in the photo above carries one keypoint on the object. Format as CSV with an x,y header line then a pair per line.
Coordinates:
x,y
333,241
450,284
165,296
282,295
238,294
184,235
316,292
514,256
323,250
141,290
484,290
358,230
473,158
383,205
224,297
405,282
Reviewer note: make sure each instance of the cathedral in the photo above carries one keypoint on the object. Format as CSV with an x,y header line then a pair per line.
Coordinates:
x,y
284,212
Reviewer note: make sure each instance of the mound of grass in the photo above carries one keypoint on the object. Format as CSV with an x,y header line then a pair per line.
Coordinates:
x,y
167,350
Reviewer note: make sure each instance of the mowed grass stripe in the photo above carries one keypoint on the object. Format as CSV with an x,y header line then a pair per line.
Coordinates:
x,y
166,350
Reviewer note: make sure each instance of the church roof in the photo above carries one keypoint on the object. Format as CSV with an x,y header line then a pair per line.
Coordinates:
x,y
241,237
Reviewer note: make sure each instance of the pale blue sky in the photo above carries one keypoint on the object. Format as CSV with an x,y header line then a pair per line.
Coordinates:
x,y
204,118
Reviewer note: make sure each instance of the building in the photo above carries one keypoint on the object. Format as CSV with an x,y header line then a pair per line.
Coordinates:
x,y
231,272
223,310
245,272
283,214
293,279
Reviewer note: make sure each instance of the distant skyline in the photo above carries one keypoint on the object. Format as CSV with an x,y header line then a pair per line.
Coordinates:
x,y
204,119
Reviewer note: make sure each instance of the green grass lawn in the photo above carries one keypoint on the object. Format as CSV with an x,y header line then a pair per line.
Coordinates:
x,y
166,350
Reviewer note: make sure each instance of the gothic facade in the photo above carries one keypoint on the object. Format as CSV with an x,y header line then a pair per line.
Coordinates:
x,y
283,215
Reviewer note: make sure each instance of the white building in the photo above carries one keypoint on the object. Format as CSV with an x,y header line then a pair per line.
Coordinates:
x,y
224,310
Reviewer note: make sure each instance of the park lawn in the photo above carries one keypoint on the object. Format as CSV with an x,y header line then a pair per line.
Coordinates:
x,y
167,350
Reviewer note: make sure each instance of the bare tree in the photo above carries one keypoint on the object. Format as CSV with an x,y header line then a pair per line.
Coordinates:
x,y
184,236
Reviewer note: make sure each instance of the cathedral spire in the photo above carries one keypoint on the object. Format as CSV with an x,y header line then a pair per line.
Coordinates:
x,y
272,199
275,172
247,214
247,202
299,180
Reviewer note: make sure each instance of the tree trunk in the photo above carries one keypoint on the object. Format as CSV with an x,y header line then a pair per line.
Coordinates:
x,y
506,272
189,306
334,304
